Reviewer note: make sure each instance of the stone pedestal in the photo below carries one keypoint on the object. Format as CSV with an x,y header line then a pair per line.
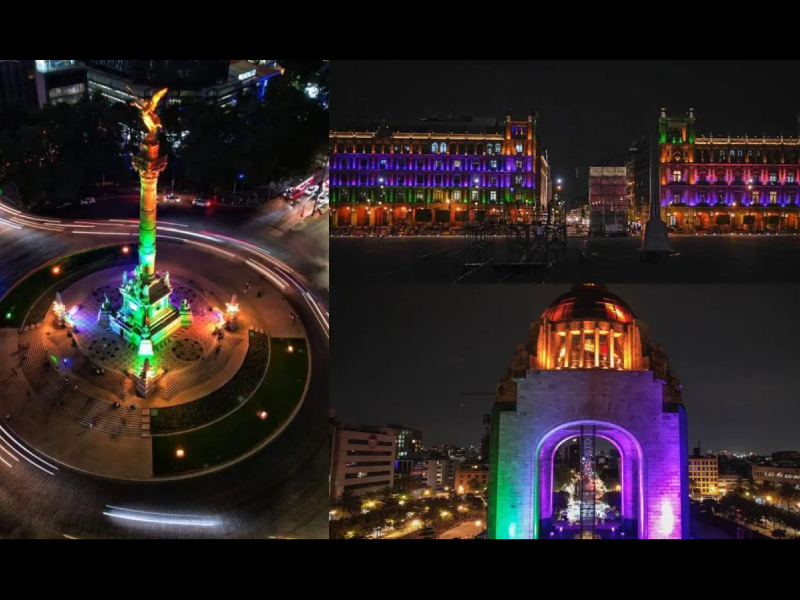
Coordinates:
x,y
146,380
655,239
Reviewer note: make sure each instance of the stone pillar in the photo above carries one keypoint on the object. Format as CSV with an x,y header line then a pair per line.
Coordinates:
x,y
149,165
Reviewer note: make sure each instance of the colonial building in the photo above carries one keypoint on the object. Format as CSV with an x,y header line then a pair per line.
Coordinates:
x,y
441,174
722,184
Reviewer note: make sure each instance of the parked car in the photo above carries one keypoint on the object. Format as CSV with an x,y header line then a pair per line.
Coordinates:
x,y
172,198
87,201
323,199
312,189
201,202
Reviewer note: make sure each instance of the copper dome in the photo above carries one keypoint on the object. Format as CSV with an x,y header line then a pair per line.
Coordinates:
x,y
589,302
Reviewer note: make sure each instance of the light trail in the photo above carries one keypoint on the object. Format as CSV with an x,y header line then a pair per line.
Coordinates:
x,y
225,252
16,443
137,516
126,234
266,273
199,235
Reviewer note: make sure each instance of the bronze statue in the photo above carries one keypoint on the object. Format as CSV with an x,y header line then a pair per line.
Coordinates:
x,y
148,108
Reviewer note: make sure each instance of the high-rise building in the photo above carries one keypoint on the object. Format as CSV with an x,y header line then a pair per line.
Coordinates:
x,y
409,441
60,81
363,461
720,184
444,172
221,82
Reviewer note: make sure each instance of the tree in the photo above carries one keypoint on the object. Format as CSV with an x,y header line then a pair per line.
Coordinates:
x,y
347,504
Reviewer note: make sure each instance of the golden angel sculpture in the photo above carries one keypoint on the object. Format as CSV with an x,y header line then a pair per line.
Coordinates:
x,y
148,108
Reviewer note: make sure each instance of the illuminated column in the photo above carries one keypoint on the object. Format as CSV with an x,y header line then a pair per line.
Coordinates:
x,y
597,345
149,165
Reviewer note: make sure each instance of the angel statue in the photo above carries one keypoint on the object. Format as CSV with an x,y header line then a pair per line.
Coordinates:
x,y
148,108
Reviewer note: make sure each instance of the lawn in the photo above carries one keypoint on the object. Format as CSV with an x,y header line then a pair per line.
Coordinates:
x,y
18,302
243,430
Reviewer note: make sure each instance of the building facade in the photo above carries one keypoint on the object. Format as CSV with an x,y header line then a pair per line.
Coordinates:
x,y
589,371
440,475
778,475
409,441
728,484
638,181
60,81
469,475
408,179
726,184
608,201
363,462
704,477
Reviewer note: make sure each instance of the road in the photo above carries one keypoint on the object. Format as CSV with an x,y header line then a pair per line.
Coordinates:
x,y
695,259
279,492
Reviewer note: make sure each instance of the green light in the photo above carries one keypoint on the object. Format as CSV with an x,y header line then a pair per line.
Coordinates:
x,y
8,315
146,348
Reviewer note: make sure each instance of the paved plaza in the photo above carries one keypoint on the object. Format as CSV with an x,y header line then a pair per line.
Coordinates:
x,y
451,259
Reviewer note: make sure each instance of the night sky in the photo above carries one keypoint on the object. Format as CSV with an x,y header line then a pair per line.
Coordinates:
x,y
406,354
589,111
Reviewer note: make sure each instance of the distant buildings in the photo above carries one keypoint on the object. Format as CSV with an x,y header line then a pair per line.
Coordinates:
x,y
221,82
638,181
777,475
728,484
18,83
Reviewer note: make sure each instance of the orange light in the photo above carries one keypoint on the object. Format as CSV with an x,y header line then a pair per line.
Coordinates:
x,y
56,270
180,454
125,250
291,349
263,415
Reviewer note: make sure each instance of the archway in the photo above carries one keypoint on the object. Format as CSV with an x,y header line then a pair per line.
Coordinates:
x,y
590,524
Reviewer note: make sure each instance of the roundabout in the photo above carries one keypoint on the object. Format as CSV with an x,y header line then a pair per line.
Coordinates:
x,y
183,400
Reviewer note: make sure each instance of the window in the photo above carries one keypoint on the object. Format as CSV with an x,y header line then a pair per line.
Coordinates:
x,y
677,176
773,197
494,165
519,165
756,196
493,196
457,196
518,179
383,164
520,148
489,149
702,198
474,195
437,165
497,149
790,177
773,178
420,195
435,148
457,165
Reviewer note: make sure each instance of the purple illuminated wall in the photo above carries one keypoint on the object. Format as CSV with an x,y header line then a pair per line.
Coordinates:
x,y
628,409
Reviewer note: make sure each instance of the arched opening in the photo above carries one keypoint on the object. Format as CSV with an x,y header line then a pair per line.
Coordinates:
x,y
592,511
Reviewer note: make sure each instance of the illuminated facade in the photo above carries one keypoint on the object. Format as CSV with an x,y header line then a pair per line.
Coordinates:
x,y
704,477
589,371
777,475
412,179
747,184
60,81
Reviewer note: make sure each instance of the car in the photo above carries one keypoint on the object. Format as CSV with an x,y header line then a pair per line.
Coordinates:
x,y
201,202
87,201
172,198
323,199
312,189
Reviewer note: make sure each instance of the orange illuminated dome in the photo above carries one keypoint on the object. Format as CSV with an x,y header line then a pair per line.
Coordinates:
x,y
589,302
